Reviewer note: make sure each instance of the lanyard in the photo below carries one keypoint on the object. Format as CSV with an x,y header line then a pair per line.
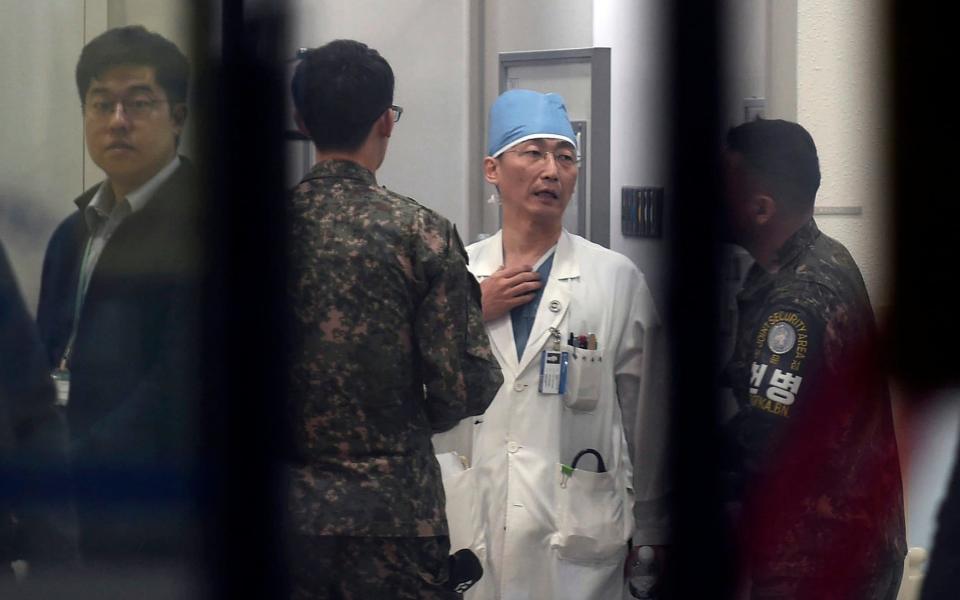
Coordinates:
x,y
83,282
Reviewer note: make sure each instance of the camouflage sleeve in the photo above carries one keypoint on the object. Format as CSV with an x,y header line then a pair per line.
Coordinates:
x,y
787,350
787,355
460,374
822,450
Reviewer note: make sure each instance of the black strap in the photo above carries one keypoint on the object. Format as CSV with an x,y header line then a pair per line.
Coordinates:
x,y
601,468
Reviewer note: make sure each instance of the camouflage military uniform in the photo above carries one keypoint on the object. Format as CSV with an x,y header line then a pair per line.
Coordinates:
x,y
813,441
389,348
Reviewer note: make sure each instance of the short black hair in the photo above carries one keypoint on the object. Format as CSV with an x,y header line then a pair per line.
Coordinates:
x,y
339,90
134,45
783,156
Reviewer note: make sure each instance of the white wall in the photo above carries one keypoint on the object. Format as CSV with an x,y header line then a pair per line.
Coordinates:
x,y
41,151
171,19
781,48
745,74
636,33
429,44
841,92
511,26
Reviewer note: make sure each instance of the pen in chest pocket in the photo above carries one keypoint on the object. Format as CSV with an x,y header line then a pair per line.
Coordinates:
x,y
584,341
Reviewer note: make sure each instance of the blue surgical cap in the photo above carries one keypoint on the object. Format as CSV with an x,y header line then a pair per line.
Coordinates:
x,y
521,115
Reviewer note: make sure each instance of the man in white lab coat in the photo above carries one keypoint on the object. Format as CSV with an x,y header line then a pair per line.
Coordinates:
x,y
570,323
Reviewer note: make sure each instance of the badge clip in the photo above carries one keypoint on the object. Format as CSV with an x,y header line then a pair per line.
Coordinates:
x,y
553,367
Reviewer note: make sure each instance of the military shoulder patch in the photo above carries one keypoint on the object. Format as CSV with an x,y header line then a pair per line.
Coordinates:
x,y
781,338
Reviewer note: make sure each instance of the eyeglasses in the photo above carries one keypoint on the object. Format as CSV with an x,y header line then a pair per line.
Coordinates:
x,y
565,159
398,110
135,108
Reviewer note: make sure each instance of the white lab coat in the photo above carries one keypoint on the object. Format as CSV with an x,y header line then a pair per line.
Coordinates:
x,y
541,534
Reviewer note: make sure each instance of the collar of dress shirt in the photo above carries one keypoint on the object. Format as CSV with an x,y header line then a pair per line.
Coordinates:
x,y
103,201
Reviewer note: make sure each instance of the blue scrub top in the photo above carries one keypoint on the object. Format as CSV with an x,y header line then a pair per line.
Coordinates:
x,y
524,315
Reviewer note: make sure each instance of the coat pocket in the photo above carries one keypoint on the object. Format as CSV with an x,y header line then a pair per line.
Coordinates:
x,y
590,509
463,508
585,374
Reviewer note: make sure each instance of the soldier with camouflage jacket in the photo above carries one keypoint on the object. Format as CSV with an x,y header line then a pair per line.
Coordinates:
x,y
814,458
389,349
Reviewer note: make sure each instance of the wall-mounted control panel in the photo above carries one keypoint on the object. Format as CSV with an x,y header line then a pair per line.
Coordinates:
x,y
641,211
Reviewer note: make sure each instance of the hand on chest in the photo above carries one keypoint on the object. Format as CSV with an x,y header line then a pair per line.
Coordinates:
x,y
565,351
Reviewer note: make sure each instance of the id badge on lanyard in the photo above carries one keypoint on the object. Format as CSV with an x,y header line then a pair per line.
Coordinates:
x,y
553,367
61,382
61,377
61,374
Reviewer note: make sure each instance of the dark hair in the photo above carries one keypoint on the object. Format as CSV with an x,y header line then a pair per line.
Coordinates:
x,y
339,90
782,156
134,45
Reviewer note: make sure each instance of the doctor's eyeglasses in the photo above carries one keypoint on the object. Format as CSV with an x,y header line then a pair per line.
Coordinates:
x,y
397,111
566,159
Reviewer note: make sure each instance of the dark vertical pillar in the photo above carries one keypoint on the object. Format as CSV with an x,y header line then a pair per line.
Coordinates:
x,y
923,154
702,565
242,120
926,212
